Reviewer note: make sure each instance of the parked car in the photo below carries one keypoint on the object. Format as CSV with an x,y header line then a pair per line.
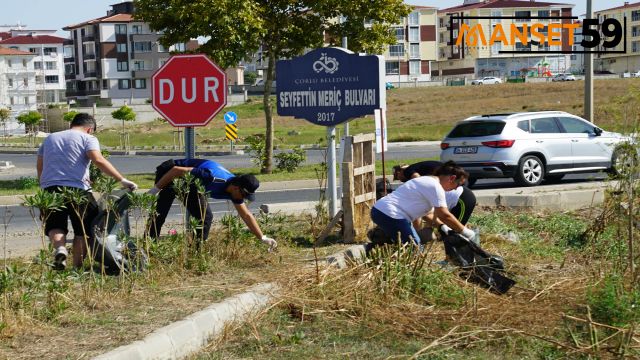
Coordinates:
x,y
487,81
564,77
635,74
532,146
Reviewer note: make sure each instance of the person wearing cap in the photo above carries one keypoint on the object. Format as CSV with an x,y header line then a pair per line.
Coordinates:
x,y
218,182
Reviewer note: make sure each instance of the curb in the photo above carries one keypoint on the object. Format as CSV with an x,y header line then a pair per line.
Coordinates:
x,y
185,337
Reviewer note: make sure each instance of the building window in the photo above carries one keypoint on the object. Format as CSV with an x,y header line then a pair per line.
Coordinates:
x,y
121,47
142,46
68,69
12,101
400,34
121,29
51,79
34,51
496,48
10,83
39,79
414,51
635,31
635,46
124,84
51,65
161,48
635,15
414,34
396,50
574,57
123,66
136,29
525,16
414,67
25,82
521,47
26,100
544,13
50,50
139,65
414,18
37,65
392,67
140,83
180,47
105,84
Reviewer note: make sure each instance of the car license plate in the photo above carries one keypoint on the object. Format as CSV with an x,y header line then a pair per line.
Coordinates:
x,y
466,150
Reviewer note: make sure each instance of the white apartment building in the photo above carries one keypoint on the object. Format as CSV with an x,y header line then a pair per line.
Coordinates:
x,y
48,63
17,84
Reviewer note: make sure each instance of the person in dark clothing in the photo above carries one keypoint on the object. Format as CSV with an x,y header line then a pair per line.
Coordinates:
x,y
218,182
423,168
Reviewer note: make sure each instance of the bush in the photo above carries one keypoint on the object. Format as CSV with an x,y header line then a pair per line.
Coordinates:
x,y
25,182
613,303
290,161
257,149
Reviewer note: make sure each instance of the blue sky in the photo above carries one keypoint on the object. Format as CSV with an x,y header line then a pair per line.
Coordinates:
x,y
55,14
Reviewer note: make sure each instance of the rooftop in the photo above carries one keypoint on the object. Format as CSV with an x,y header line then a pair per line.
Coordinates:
x,y
105,19
32,39
495,4
626,5
6,51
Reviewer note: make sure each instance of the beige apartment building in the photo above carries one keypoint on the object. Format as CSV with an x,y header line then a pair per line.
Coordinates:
x,y
411,58
476,61
630,61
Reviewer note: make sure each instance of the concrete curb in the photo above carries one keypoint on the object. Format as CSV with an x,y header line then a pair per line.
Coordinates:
x,y
187,336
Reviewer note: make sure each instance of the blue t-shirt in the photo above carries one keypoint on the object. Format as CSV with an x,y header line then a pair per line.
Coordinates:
x,y
214,177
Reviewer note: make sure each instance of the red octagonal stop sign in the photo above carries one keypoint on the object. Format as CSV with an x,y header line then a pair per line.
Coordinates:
x,y
189,90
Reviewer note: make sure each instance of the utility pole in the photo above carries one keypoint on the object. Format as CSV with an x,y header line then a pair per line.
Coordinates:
x,y
588,72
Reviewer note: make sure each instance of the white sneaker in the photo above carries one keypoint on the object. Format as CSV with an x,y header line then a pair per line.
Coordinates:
x,y
60,258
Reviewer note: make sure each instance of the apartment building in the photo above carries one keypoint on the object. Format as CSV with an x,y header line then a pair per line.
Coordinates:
x,y
48,63
111,59
17,84
577,58
411,57
476,61
630,61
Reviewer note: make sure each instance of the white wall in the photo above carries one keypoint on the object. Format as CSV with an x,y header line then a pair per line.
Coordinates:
x,y
110,70
107,33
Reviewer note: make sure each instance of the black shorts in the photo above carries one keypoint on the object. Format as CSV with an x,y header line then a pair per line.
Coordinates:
x,y
81,216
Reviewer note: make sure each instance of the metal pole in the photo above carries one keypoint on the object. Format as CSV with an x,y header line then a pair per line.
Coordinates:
x,y
588,72
189,143
384,175
333,189
345,44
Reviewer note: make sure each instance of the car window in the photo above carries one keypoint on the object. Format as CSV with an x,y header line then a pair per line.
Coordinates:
x,y
544,126
523,125
573,125
477,129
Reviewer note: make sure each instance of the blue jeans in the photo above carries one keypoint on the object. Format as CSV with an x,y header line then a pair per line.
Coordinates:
x,y
392,227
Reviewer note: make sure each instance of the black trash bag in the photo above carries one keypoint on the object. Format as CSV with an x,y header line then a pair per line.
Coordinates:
x,y
109,230
478,265
380,188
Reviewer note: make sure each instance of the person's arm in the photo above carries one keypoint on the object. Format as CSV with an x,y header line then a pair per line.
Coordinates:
x,y
249,219
446,217
104,165
176,171
39,167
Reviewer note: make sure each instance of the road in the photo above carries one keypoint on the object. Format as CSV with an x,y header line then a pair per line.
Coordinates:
x,y
131,164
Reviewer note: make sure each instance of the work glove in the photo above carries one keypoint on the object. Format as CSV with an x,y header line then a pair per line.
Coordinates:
x,y
468,234
128,184
154,190
269,242
444,230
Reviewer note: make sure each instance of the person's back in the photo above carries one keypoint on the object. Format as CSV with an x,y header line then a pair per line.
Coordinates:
x,y
66,162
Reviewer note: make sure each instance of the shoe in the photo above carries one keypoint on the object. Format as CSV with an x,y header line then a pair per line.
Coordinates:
x,y
60,258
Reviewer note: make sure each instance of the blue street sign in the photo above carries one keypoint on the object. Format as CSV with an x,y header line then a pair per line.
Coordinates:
x,y
329,86
230,117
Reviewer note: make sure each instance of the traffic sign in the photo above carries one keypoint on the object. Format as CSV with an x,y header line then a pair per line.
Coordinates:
x,y
231,132
189,90
230,117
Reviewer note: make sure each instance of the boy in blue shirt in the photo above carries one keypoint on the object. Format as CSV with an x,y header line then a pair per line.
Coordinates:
x,y
218,182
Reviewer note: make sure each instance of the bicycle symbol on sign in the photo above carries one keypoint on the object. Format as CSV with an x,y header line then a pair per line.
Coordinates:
x,y
326,63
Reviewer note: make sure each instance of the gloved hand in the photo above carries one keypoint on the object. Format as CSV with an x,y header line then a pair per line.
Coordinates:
x,y
270,242
468,234
154,190
128,184
444,230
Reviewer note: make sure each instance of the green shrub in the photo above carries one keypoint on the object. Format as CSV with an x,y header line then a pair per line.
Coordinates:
x,y
257,149
613,303
26,183
290,161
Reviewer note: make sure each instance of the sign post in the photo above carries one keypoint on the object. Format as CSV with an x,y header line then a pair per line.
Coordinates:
x,y
328,87
188,91
231,130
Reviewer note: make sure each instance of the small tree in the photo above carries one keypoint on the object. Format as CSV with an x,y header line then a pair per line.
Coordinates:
x,y
30,120
125,113
69,116
5,115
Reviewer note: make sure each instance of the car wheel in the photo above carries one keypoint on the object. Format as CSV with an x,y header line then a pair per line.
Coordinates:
x,y
470,182
553,178
530,171
623,161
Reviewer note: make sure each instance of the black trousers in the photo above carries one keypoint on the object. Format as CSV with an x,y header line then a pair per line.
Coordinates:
x,y
463,209
196,204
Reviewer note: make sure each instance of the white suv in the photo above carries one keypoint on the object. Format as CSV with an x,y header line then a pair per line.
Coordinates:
x,y
532,146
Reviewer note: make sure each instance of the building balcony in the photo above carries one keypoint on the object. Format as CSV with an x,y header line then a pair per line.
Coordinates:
x,y
143,37
68,60
88,38
77,93
90,74
69,76
89,57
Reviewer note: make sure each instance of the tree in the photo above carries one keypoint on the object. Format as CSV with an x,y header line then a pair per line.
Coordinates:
x,y
69,115
234,30
125,113
30,120
5,115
